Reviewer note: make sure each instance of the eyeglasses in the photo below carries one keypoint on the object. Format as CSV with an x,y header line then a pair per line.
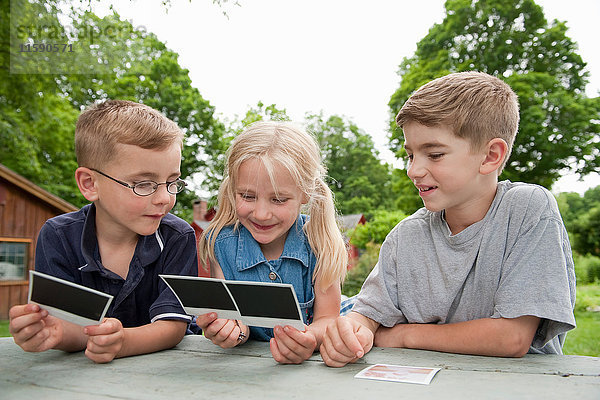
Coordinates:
x,y
146,188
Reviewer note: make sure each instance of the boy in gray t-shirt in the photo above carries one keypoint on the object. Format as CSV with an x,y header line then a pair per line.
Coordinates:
x,y
486,267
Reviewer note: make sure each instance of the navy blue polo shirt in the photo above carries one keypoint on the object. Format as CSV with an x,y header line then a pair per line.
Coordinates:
x,y
67,248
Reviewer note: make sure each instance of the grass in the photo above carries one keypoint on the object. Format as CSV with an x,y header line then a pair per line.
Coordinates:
x,y
4,329
582,341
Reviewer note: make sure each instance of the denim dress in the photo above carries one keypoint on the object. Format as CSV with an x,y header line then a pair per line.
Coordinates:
x,y
241,258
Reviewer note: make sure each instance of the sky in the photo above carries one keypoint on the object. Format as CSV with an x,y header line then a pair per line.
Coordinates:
x,y
332,56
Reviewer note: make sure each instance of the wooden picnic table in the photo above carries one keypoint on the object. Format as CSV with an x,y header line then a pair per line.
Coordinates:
x,y
197,369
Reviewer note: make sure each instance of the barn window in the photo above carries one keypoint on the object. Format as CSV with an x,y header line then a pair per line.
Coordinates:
x,y
13,259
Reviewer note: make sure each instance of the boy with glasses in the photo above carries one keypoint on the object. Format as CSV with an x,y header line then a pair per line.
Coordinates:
x,y
129,169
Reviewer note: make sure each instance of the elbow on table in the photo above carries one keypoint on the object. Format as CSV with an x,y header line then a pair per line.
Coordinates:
x,y
516,346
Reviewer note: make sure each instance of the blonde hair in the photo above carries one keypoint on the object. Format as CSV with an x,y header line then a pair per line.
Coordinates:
x,y
101,126
477,107
294,149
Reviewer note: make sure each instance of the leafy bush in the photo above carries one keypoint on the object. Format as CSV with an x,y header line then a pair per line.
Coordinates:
x,y
357,275
588,297
587,268
376,229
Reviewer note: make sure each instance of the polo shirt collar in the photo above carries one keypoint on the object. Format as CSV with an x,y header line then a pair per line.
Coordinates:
x,y
147,250
249,253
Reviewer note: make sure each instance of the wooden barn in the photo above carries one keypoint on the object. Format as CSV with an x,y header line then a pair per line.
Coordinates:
x,y
24,207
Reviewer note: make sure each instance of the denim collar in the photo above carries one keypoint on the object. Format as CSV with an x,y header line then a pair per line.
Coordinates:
x,y
296,247
147,250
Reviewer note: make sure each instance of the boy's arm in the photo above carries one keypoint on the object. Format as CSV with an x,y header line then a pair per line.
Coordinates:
x,y
110,340
347,339
502,337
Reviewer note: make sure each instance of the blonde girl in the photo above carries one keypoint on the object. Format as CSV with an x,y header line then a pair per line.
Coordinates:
x,y
273,171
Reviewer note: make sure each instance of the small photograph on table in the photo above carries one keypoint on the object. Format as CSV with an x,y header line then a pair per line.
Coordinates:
x,y
398,373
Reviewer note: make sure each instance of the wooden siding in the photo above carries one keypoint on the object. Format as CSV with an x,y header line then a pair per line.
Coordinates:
x,y
24,207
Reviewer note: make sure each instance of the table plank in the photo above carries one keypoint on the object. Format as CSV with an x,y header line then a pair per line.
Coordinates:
x,y
198,368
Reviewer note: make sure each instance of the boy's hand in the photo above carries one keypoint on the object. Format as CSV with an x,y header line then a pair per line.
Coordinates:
x,y
33,329
222,332
104,340
290,346
345,341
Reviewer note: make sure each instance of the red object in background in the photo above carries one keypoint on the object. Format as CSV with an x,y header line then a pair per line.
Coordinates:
x,y
202,218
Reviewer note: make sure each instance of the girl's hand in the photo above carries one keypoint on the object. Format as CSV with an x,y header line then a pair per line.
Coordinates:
x,y
33,329
105,340
225,333
290,346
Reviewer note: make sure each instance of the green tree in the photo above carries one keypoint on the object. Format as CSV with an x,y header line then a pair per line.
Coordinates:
x,y
585,230
38,115
360,181
36,122
571,205
581,215
376,229
148,72
260,112
511,39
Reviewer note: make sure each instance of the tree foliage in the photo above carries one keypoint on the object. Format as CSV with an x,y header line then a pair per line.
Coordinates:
x,y
512,40
36,122
581,216
359,180
120,62
376,229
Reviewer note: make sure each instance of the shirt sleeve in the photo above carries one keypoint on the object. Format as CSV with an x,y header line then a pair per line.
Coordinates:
x,y
180,258
378,297
538,279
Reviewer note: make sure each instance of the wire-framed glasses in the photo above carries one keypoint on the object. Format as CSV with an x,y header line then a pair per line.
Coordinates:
x,y
146,188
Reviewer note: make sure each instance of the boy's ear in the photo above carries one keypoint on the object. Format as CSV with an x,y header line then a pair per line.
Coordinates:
x,y
86,181
495,152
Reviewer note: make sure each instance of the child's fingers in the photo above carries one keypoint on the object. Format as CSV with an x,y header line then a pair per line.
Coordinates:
x,y
205,320
35,342
347,335
24,316
230,334
223,332
365,338
100,357
107,327
294,345
276,352
97,343
305,339
286,355
331,357
334,356
212,329
22,309
334,350
28,332
105,347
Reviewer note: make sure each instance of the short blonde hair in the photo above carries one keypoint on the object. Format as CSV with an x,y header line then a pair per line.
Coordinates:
x,y
278,144
101,126
477,107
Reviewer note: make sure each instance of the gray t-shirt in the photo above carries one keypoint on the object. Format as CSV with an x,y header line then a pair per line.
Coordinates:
x,y
516,261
